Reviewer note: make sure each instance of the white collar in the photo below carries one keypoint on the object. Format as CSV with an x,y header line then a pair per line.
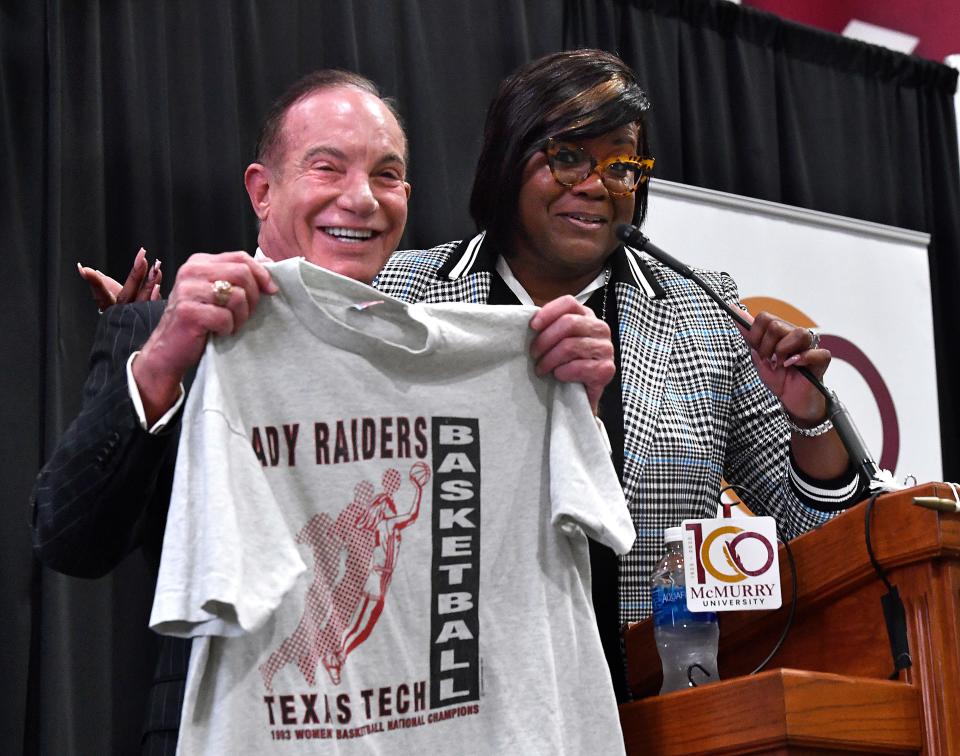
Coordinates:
x,y
503,268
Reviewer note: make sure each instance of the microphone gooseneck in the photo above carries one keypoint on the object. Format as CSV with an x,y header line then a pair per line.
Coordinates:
x,y
846,429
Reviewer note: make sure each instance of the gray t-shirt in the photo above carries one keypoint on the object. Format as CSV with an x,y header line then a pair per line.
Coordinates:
x,y
376,534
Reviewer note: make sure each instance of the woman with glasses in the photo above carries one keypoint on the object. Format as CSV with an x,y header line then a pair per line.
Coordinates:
x,y
565,160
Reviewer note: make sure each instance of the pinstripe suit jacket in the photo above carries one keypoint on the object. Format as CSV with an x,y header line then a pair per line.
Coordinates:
x,y
694,408
105,491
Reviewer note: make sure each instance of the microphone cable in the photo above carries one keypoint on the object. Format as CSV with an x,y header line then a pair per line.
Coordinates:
x,y
894,615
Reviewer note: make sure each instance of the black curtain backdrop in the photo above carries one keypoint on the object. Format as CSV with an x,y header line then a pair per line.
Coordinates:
x,y
125,123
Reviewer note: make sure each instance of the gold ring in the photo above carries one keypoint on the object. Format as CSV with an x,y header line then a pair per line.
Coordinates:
x,y
221,291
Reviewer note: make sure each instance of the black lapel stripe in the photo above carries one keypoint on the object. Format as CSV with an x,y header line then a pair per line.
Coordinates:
x,y
463,258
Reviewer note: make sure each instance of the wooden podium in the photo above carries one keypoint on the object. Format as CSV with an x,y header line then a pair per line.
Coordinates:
x,y
828,689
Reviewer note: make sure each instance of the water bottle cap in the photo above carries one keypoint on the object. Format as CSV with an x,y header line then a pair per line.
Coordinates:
x,y
671,535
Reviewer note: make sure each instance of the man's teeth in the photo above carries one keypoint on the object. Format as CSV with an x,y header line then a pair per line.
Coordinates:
x,y
358,234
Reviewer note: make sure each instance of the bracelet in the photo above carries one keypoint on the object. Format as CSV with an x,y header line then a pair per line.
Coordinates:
x,y
817,430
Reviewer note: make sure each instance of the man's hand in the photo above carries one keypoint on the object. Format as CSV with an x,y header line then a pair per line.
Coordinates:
x,y
194,310
142,284
574,345
777,346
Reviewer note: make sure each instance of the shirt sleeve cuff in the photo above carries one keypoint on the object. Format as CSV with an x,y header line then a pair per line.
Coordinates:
x,y
134,392
826,495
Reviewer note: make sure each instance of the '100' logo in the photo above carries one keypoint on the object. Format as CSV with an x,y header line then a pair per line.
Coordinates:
x,y
731,550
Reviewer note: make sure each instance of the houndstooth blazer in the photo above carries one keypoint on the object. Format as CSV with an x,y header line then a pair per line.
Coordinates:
x,y
694,407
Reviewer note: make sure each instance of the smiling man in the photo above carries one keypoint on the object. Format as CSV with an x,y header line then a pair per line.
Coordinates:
x,y
328,185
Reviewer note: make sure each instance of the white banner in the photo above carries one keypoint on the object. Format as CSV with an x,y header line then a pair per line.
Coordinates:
x,y
864,286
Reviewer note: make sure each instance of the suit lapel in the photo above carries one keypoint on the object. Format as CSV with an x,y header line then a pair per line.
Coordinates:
x,y
646,344
465,275
473,288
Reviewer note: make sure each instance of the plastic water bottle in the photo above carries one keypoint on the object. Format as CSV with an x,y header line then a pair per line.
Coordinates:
x,y
684,638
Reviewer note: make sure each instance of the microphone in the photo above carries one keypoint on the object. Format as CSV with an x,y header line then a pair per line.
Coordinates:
x,y
846,429
631,235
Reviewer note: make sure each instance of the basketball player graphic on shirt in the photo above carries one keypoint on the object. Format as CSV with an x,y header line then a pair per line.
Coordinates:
x,y
354,558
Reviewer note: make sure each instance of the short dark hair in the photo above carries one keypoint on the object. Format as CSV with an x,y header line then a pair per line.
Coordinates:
x,y
270,138
572,94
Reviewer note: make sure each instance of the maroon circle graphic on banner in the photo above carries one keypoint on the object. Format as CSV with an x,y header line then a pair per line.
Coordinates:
x,y
843,349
